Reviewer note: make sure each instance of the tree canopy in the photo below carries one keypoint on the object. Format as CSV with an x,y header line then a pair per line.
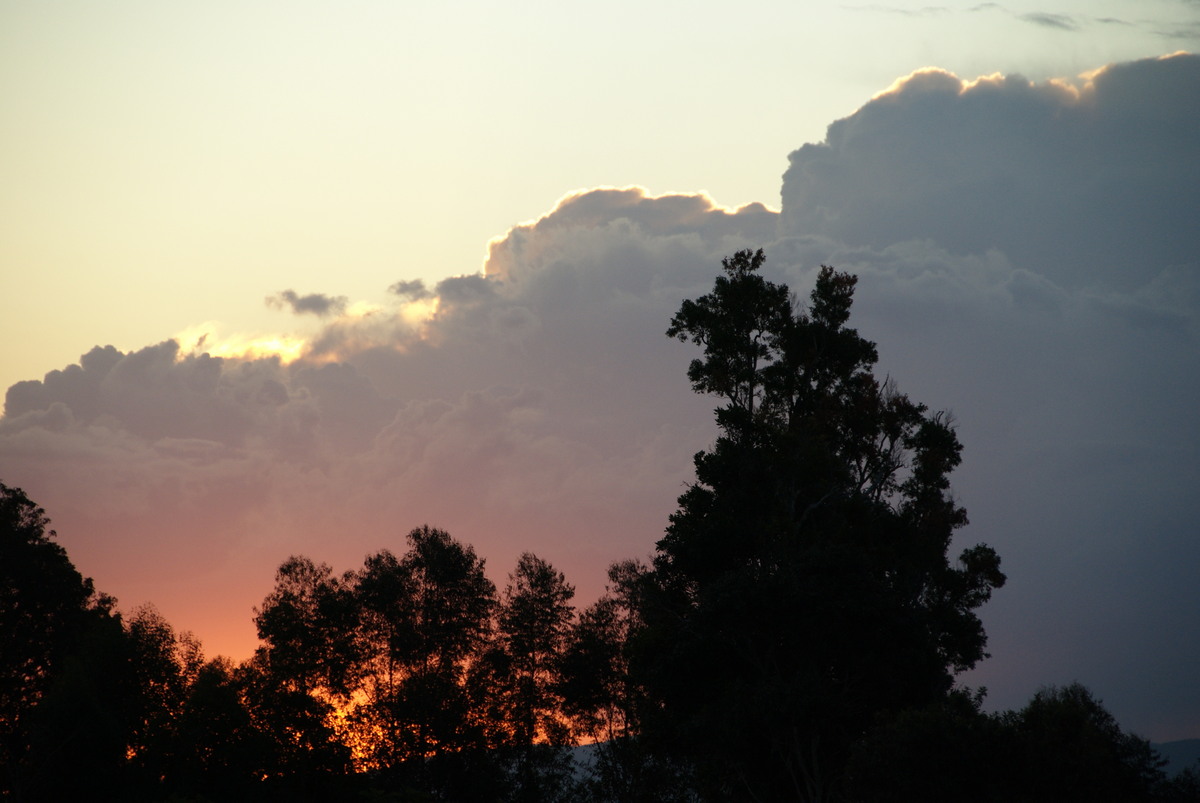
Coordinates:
x,y
803,587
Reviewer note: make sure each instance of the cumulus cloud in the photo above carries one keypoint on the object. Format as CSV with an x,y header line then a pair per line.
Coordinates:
x,y
522,408
317,304
1056,175
1026,258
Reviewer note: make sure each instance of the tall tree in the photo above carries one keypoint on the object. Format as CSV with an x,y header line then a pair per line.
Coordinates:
x,y
307,623
296,681
42,600
536,615
424,618
161,666
597,693
48,613
535,624
803,587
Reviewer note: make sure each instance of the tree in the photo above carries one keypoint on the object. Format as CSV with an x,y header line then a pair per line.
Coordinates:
x,y
48,614
308,623
158,671
604,703
424,618
42,602
219,753
947,752
803,587
295,682
1068,747
594,672
87,701
535,623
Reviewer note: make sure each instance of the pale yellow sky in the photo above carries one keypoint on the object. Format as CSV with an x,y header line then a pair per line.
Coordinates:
x,y
163,165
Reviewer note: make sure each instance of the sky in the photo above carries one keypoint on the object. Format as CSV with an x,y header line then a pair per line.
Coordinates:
x,y
297,278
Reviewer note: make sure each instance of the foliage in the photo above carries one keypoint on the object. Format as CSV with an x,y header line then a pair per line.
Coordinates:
x,y
946,752
43,604
1062,746
54,710
422,618
1069,747
803,586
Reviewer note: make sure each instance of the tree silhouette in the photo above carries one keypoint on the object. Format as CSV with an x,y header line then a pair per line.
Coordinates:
x,y
535,620
534,626
424,617
1070,748
219,752
296,680
48,614
803,586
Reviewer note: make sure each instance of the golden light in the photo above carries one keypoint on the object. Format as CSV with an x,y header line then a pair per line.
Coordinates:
x,y
418,313
202,339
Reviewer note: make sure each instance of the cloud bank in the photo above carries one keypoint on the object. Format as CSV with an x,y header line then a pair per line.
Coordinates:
x,y
1027,257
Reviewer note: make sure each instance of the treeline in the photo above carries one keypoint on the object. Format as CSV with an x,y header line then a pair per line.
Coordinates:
x,y
413,675
796,636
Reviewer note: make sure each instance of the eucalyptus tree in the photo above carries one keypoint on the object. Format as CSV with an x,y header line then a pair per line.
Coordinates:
x,y
424,618
535,624
305,672
803,587
535,621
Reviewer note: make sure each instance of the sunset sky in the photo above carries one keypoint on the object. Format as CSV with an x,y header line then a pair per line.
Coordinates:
x,y
283,278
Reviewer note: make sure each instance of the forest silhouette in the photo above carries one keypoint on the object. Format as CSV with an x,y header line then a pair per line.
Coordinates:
x,y
796,636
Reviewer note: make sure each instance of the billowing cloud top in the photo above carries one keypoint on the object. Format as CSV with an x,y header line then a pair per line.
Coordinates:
x,y
527,408
1027,257
1091,183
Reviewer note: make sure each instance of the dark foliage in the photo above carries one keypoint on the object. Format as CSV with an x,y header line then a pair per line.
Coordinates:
x,y
803,587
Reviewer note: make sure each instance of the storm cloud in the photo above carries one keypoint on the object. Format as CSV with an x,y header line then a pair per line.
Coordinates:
x,y
1027,258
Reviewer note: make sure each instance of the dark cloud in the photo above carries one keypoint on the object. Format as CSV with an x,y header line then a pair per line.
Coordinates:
x,y
1053,176
1062,22
413,290
317,304
469,290
1027,258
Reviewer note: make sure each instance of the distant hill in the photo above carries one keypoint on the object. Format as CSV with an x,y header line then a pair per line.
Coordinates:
x,y
1179,755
